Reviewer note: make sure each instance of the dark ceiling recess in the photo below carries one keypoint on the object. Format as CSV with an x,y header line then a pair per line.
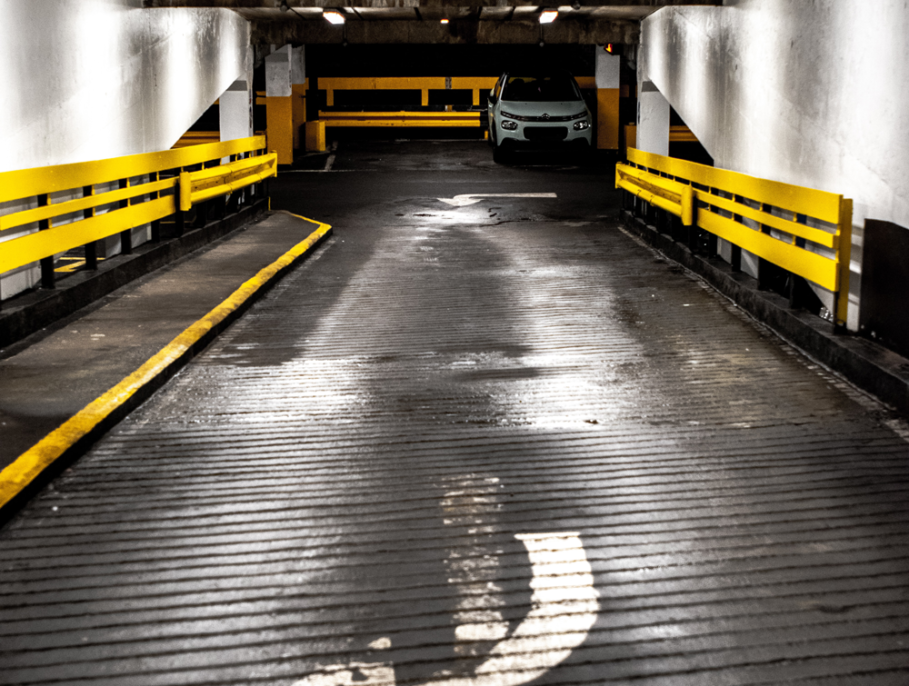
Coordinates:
x,y
447,60
483,22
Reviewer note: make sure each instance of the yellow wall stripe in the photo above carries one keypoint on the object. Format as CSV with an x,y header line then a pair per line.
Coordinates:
x,y
43,454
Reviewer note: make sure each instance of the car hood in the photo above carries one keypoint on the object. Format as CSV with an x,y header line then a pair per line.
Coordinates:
x,y
536,109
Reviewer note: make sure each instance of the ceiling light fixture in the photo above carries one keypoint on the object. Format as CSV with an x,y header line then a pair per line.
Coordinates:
x,y
443,21
333,16
548,16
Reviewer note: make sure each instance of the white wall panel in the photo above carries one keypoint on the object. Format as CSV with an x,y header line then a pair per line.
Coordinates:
x,y
809,92
89,79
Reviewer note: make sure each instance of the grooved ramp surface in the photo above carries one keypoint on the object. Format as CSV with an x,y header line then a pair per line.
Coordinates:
x,y
459,449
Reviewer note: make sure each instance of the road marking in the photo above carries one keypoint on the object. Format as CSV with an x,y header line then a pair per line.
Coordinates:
x,y
473,198
354,674
564,607
30,464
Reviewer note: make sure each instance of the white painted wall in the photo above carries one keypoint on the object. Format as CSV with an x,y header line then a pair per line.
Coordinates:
x,y
652,120
810,92
90,79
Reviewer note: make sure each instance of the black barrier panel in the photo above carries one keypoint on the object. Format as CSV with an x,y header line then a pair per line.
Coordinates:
x,y
885,285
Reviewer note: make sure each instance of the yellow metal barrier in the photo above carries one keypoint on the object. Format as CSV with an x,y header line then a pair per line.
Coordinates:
x,y
814,227
132,204
202,185
410,119
416,118
424,84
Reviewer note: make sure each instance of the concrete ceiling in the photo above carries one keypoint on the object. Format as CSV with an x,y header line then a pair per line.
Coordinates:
x,y
593,22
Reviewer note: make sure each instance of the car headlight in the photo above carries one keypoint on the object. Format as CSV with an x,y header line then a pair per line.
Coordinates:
x,y
509,125
518,117
581,125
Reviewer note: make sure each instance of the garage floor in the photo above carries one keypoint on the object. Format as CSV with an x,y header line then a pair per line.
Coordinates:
x,y
490,441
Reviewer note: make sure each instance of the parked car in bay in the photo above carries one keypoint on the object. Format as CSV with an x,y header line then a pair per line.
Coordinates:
x,y
537,110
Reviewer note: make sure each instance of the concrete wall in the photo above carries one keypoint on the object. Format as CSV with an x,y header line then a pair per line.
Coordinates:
x,y
90,79
809,92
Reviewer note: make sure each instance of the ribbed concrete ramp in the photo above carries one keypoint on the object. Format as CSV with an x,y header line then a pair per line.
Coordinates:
x,y
492,445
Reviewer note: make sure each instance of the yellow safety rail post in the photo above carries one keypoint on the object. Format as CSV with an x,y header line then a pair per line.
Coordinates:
x,y
805,231
134,204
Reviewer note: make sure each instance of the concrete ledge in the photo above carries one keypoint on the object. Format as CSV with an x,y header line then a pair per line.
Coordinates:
x,y
35,468
869,366
30,312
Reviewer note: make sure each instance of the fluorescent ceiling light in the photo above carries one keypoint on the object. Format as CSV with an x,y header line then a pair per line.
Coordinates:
x,y
333,17
444,21
548,16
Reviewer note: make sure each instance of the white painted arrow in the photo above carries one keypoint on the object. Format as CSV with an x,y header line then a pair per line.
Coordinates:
x,y
564,607
473,198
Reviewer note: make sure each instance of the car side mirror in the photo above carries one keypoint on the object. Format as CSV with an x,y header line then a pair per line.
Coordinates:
x,y
492,97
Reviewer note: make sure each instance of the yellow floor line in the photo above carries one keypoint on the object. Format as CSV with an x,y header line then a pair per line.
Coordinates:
x,y
39,457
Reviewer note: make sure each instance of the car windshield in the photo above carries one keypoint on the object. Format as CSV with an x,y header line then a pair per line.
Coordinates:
x,y
540,89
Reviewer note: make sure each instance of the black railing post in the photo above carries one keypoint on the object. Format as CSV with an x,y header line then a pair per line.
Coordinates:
x,y
91,249
126,237
156,224
711,245
692,235
736,260
47,264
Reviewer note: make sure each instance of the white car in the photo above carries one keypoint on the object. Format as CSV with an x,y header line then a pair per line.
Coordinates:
x,y
542,110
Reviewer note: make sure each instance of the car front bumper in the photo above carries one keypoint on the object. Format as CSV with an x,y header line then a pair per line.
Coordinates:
x,y
542,134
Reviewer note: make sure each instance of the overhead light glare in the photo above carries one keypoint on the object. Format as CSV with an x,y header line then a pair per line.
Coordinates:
x,y
443,21
333,16
548,16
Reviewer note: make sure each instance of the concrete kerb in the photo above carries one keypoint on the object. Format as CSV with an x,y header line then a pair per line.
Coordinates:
x,y
875,370
37,466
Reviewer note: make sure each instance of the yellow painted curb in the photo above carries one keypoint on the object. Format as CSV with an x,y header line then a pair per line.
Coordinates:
x,y
43,454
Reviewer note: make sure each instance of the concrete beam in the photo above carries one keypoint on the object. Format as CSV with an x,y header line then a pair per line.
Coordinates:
x,y
589,32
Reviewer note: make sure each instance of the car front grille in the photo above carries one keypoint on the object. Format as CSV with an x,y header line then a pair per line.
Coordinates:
x,y
545,133
549,118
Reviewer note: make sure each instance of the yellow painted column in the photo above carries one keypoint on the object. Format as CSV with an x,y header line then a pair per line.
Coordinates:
x,y
608,118
279,133
608,79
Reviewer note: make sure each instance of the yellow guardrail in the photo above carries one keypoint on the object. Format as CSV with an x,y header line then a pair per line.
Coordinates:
x,y
424,84
805,231
409,119
164,181
412,118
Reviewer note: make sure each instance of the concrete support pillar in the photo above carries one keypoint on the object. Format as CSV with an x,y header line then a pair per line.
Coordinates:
x,y
608,70
653,120
279,104
298,88
236,111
